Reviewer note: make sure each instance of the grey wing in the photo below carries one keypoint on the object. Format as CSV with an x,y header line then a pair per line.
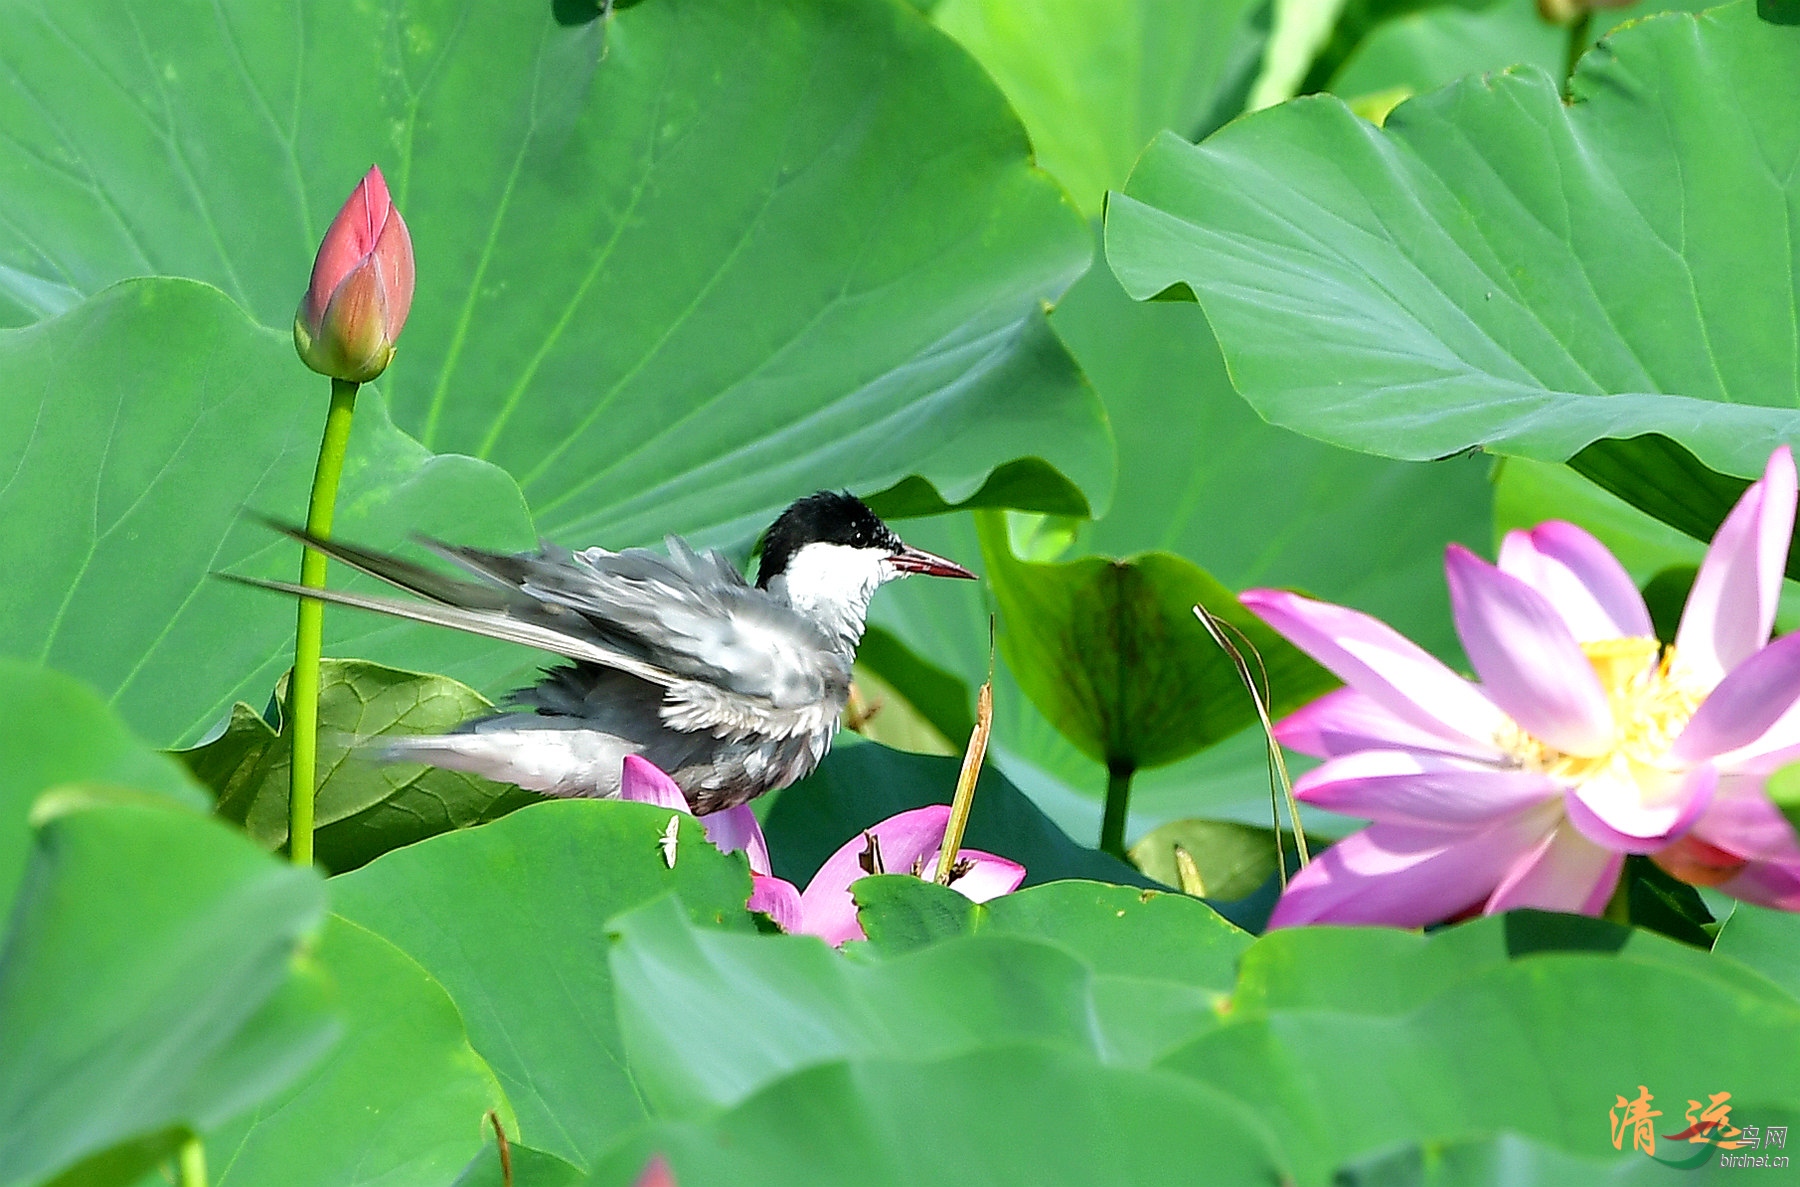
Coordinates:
x,y
731,659
739,661
489,608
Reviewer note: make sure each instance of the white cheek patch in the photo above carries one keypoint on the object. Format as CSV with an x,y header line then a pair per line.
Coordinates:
x,y
833,583
835,574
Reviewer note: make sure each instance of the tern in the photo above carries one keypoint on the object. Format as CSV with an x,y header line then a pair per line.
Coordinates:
x,y
733,689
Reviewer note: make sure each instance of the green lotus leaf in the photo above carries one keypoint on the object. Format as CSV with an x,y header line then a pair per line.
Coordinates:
x,y
1423,50
511,920
147,428
1497,268
1223,860
683,992
1094,82
55,730
1764,939
399,1101
1111,651
1350,1041
363,808
1509,1158
1436,40
1435,43
676,266
998,1114
1115,929
149,985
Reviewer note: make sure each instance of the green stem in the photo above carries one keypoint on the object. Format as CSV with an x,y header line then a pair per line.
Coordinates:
x,y
1118,804
192,1163
309,629
1578,39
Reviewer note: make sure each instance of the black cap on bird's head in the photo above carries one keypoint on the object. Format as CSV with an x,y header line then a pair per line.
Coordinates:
x,y
839,517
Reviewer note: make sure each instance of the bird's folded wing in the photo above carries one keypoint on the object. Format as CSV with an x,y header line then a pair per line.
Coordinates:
x,y
489,623
733,658
729,636
693,616
404,574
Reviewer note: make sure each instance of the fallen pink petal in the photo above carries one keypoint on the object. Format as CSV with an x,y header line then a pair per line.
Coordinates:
x,y
905,843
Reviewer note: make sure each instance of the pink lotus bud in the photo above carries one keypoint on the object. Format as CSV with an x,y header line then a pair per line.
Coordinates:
x,y
656,1173
361,290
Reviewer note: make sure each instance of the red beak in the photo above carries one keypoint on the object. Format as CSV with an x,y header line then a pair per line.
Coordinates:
x,y
917,560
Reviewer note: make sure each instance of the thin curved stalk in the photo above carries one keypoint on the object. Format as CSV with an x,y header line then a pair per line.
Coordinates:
x,y
965,784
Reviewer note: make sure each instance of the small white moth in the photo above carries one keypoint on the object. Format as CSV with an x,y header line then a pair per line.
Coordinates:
x,y
669,840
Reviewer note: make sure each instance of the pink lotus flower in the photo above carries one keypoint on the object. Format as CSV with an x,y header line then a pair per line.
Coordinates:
x,y
1583,740
361,289
905,843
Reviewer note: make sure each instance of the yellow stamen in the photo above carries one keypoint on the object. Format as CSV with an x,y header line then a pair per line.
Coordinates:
x,y
1651,698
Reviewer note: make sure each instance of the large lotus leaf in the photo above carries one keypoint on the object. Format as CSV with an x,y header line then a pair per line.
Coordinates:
x,y
54,730
1162,963
363,807
1767,940
1499,268
142,429
510,919
399,1102
1423,50
1115,929
710,1017
676,267
1354,22
1517,1048
1381,971
148,984
1202,476
994,1116
902,913
1514,1028
1094,80
1433,35
861,784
